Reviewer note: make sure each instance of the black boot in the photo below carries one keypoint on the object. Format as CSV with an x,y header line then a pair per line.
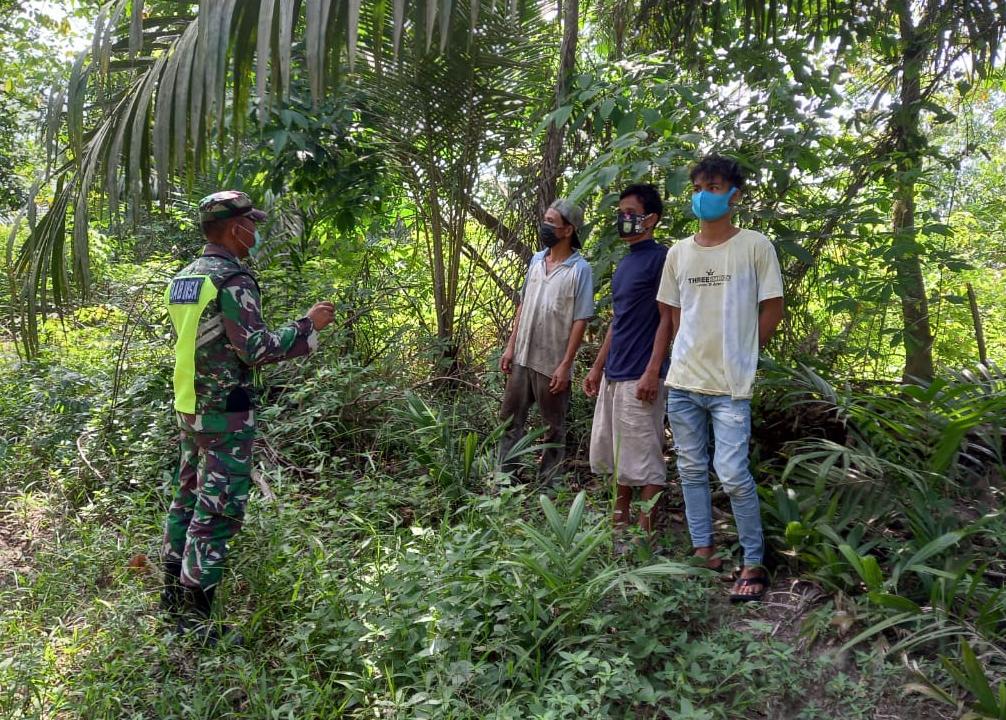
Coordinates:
x,y
171,594
195,619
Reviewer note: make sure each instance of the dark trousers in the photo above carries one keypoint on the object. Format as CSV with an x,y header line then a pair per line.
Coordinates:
x,y
524,388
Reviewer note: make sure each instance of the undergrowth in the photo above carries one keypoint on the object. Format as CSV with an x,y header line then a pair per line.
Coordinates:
x,y
387,570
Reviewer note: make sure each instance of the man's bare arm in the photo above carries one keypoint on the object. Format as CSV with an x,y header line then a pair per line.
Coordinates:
x,y
769,317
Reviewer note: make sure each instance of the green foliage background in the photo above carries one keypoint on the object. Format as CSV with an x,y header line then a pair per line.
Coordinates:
x,y
394,573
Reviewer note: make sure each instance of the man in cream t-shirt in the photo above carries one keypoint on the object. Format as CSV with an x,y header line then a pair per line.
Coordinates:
x,y
724,288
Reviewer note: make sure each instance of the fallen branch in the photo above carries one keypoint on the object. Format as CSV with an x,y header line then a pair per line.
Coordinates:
x,y
263,486
83,456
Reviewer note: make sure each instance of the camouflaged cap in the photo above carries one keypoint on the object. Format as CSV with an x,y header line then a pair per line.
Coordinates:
x,y
231,340
227,204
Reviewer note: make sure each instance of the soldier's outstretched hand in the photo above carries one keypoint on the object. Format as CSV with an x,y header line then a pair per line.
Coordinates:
x,y
321,314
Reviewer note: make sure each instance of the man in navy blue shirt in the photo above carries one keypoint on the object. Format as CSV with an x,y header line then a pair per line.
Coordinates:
x,y
628,430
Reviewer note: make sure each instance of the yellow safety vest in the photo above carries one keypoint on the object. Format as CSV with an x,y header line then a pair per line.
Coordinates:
x,y
186,297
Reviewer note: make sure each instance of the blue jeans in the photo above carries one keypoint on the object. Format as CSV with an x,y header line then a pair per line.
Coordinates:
x,y
689,414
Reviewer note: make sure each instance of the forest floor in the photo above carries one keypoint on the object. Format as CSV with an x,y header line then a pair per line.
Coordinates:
x,y
79,598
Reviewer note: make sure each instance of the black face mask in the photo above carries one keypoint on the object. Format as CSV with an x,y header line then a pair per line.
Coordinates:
x,y
630,224
547,234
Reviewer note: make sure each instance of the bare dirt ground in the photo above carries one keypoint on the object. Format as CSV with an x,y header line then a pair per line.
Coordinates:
x,y
27,523
785,615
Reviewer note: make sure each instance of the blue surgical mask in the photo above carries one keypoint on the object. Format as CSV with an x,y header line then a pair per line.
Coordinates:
x,y
710,206
256,246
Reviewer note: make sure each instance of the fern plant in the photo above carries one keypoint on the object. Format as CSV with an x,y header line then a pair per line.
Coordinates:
x,y
565,562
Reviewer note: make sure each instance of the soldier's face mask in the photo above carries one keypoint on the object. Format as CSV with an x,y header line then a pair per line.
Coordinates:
x,y
256,246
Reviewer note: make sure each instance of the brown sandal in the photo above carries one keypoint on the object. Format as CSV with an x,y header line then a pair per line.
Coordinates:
x,y
761,580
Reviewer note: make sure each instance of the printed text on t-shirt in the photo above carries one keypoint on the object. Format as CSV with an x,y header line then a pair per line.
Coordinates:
x,y
709,279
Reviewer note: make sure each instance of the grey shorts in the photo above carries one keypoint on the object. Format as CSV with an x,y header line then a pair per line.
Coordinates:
x,y
627,436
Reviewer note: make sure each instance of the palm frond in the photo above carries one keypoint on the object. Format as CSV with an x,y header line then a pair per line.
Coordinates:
x,y
161,89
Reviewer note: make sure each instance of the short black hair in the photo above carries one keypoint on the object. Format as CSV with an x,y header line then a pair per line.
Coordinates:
x,y
212,228
648,195
714,165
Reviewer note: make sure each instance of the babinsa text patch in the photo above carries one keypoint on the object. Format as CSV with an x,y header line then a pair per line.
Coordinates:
x,y
185,291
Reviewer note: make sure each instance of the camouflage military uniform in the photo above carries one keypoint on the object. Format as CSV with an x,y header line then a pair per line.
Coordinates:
x,y
214,474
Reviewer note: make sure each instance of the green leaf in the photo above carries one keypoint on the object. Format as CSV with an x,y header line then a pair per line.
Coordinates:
x,y
431,17
210,12
676,181
263,43
606,107
183,91
161,134
880,627
934,547
871,572
575,516
552,515
471,445
561,115
353,28
791,247
397,24
795,533
76,90
445,22
650,116
139,129
628,140
639,169
853,559
607,175
136,29
626,124
279,140
894,602
284,44
978,684
316,30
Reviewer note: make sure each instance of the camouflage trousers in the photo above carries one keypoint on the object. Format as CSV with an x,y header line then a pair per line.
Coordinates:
x,y
208,507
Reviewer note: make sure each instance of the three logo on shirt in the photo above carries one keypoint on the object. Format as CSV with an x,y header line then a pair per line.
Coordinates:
x,y
710,279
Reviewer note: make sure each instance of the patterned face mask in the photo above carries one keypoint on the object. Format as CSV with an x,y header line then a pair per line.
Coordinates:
x,y
630,224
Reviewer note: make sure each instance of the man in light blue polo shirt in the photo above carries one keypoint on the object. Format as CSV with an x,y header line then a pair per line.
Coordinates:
x,y
556,302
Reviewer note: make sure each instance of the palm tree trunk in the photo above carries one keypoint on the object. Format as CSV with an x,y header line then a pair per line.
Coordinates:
x,y
918,339
436,230
552,147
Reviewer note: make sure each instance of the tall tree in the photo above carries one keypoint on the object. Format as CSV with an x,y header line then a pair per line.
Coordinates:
x,y
440,119
923,47
552,146
906,126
